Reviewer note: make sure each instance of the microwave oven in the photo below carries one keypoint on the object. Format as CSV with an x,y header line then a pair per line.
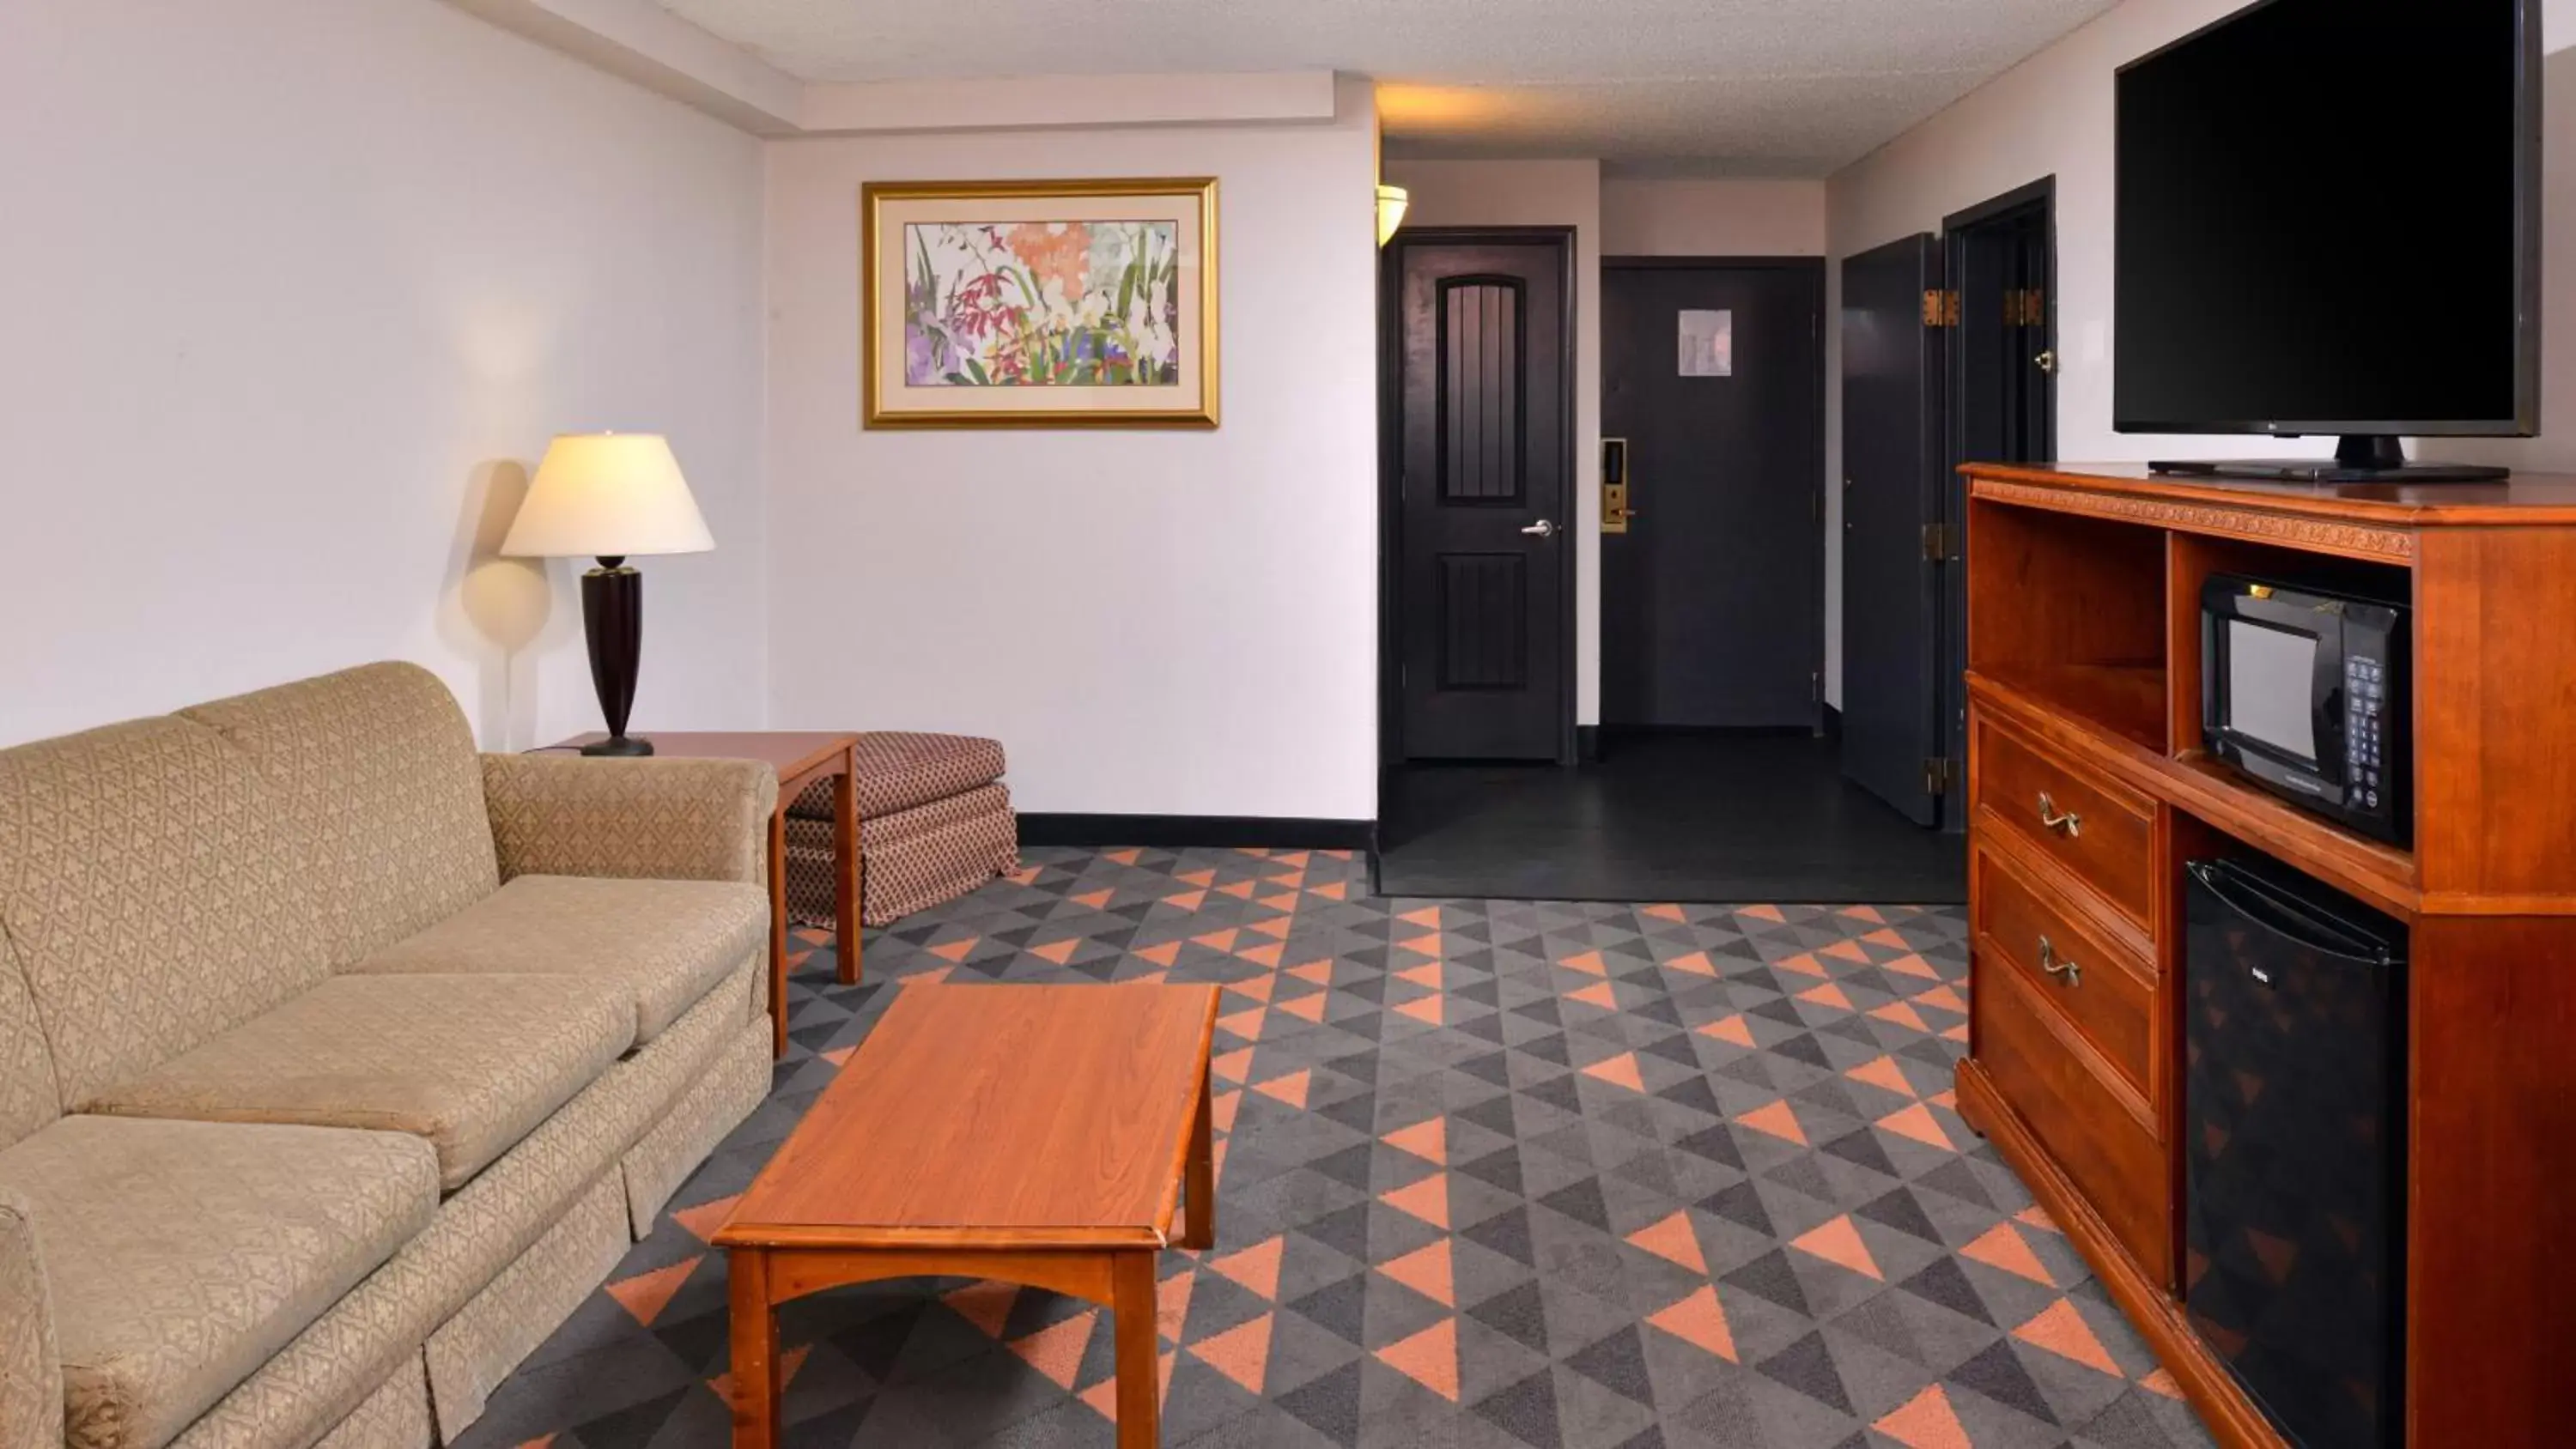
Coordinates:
x,y
2304,691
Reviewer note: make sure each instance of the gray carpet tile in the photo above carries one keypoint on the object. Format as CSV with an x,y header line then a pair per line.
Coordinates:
x,y
1493,1175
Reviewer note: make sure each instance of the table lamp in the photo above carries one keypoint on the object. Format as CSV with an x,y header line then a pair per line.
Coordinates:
x,y
612,497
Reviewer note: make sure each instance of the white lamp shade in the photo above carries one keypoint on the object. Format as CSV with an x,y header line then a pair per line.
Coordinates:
x,y
607,495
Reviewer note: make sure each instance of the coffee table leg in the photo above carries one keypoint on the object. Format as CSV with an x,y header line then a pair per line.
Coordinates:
x,y
1140,1400
1200,1227
845,867
755,1351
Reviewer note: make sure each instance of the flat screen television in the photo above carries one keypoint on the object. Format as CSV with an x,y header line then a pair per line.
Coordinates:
x,y
2329,223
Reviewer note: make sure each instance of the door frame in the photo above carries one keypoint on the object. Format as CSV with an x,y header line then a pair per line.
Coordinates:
x,y
1951,652
1390,471
1815,267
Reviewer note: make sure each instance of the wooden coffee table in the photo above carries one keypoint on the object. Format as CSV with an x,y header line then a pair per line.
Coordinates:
x,y
1033,1134
798,758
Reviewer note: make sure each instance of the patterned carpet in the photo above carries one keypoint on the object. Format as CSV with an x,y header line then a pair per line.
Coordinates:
x,y
1493,1175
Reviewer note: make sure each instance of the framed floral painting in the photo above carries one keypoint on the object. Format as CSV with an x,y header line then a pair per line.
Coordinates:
x,y
1047,304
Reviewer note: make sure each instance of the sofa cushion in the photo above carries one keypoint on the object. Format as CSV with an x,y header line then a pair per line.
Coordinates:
x,y
153,888
181,1255
901,769
477,1231
664,943
377,767
471,1063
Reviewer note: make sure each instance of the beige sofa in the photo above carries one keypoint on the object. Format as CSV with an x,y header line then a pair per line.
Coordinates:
x,y
339,1062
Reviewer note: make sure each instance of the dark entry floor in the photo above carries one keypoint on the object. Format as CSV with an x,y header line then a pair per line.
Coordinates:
x,y
1666,818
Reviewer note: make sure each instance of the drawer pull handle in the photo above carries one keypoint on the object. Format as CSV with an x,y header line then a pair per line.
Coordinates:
x,y
2064,822
2050,963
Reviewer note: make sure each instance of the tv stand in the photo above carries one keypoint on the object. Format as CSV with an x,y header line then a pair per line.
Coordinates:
x,y
2359,458
2090,788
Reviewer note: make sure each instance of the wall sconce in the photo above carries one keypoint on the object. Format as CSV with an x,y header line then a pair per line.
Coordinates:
x,y
1391,202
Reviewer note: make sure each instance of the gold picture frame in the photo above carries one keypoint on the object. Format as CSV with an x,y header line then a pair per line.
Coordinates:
x,y
1109,322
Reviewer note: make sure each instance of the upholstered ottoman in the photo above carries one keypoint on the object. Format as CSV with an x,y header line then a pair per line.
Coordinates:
x,y
934,823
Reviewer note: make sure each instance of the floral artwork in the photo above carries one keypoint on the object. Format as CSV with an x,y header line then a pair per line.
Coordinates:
x,y
1042,304
1057,303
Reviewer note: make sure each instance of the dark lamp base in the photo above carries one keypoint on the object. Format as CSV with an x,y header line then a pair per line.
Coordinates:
x,y
612,615
620,746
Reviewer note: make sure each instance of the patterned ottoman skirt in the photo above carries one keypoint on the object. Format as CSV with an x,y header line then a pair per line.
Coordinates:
x,y
910,860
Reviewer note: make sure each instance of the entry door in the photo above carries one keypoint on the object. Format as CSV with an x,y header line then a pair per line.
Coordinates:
x,y
1712,602
2000,388
1892,467
1483,545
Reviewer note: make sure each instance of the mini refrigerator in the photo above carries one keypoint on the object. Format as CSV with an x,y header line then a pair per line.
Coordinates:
x,y
2294,1041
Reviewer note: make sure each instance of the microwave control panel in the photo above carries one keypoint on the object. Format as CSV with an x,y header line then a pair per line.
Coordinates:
x,y
2365,684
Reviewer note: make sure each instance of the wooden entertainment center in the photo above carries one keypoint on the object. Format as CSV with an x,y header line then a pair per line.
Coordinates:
x,y
2084,699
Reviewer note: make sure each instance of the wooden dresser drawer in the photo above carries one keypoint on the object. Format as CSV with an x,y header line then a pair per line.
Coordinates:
x,y
2108,994
2030,1055
2102,832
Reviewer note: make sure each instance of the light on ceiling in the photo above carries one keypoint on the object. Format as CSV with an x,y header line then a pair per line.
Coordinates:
x,y
1391,202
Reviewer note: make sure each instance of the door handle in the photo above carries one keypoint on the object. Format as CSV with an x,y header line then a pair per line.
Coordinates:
x,y
1541,529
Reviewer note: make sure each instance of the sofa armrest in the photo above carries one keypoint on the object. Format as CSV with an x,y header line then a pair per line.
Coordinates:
x,y
642,819
31,1370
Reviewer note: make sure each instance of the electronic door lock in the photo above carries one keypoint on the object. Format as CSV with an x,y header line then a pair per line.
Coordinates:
x,y
1615,511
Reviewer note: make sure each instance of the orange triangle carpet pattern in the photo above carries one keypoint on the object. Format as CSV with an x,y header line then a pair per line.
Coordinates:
x,y
1492,1175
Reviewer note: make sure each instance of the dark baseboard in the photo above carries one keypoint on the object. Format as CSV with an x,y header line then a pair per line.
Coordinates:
x,y
1831,725
1616,733
1171,832
1587,744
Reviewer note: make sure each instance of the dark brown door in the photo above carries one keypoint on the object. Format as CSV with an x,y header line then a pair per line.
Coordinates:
x,y
2000,384
1892,485
1712,602
1482,541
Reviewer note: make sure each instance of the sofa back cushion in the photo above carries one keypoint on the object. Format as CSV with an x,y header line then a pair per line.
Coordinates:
x,y
164,880
378,769
153,887
29,1096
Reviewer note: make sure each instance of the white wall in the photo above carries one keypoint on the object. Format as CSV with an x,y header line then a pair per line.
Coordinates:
x,y
290,289
1151,622
1652,216
2052,116
1543,193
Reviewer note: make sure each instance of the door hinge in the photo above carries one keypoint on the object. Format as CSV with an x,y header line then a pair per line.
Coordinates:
x,y
2024,307
1940,308
1940,545
1937,775
1816,686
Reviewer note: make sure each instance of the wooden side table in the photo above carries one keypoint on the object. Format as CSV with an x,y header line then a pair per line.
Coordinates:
x,y
799,757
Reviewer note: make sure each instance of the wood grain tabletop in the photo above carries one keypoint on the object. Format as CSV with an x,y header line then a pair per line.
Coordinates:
x,y
996,1116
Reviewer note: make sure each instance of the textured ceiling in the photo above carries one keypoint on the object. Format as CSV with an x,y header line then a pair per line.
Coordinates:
x,y
1757,87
